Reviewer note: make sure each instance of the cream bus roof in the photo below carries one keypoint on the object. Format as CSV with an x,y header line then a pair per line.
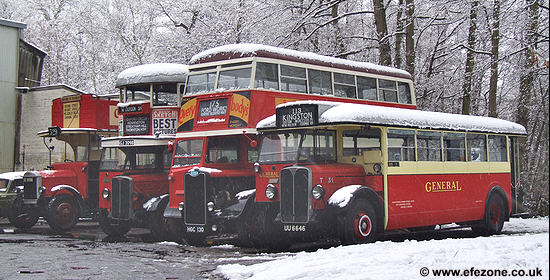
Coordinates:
x,y
249,50
153,73
336,112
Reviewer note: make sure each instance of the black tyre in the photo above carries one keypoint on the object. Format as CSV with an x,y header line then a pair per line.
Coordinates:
x,y
359,223
175,229
112,228
63,213
257,229
20,217
158,224
495,215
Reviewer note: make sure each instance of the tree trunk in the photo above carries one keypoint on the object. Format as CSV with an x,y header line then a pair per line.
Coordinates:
x,y
467,86
382,32
495,34
399,35
410,54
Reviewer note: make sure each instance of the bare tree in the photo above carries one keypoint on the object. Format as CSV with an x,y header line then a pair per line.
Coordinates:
x,y
470,59
382,32
495,39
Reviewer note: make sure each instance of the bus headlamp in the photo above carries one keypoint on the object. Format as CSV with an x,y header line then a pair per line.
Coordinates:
x,y
271,192
106,193
180,206
210,206
257,168
318,192
377,167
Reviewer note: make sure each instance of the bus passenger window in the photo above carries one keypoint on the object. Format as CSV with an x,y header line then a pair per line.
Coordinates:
x,y
366,88
497,148
200,83
477,147
344,85
357,141
235,79
267,76
388,90
293,79
165,95
320,82
428,145
404,93
454,146
401,145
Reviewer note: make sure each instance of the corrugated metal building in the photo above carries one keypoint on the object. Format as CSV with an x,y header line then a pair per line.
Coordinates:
x,y
20,66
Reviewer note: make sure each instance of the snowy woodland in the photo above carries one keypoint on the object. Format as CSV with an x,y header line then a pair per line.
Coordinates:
x,y
477,57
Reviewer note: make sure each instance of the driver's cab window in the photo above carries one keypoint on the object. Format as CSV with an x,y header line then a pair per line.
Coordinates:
x,y
222,150
81,153
357,141
4,183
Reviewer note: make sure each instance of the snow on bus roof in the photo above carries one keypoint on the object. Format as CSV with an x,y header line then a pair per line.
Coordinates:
x,y
153,73
246,50
337,112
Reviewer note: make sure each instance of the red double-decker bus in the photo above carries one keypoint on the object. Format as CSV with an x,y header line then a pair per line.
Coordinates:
x,y
69,189
134,165
229,90
353,171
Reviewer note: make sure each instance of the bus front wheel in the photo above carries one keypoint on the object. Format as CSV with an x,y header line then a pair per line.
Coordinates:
x,y
358,224
111,228
63,213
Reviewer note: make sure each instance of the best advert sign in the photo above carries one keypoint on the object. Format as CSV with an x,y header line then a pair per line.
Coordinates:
x,y
165,122
299,115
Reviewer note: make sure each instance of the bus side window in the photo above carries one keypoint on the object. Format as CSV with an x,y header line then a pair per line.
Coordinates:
x,y
477,147
267,76
357,141
366,88
454,146
401,145
320,82
293,79
497,148
428,145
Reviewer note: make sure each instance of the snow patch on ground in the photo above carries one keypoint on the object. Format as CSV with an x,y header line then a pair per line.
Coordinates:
x,y
404,260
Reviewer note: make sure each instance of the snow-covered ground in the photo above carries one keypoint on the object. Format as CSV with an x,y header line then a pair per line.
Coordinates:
x,y
522,248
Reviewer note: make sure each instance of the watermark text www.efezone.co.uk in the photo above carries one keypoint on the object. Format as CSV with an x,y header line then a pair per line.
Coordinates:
x,y
480,272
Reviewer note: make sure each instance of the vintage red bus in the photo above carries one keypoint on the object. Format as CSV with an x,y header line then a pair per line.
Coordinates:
x,y
134,165
69,189
228,90
353,171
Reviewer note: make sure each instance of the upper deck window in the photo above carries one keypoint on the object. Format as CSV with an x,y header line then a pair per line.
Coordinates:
x,y
234,79
366,88
404,93
293,79
201,83
344,85
267,76
320,82
165,95
387,90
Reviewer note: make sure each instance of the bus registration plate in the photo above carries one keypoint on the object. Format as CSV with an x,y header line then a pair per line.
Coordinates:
x,y
195,229
294,228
